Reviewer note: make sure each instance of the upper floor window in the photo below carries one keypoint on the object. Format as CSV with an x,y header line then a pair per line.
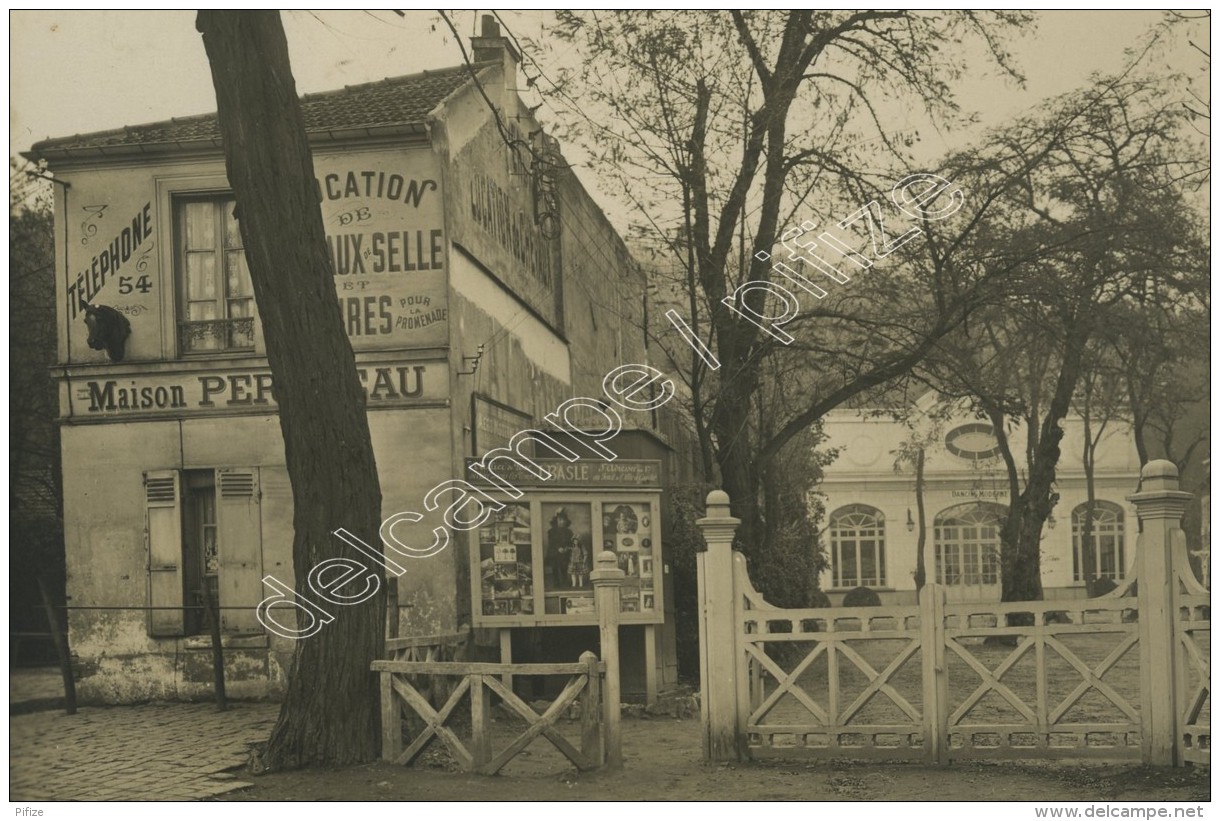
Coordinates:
x,y
1105,542
216,296
975,441
857,546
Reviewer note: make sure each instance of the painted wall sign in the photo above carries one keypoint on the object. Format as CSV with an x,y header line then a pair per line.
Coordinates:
x,y
979,493
111,254
384,219
511,225
619,473
385,384
494,423
492,216
383,214
110,259
375,184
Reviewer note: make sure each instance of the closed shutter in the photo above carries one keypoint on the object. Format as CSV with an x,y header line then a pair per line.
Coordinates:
x,y
163,534
240,545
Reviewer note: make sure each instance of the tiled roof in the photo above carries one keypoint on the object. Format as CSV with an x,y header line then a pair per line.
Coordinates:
x,y
394,101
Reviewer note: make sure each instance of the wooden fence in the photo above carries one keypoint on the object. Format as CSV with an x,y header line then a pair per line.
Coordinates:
x,y
400,696
1121,677
424,672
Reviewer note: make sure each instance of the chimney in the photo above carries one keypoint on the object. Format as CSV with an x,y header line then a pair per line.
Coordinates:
x,y
491,46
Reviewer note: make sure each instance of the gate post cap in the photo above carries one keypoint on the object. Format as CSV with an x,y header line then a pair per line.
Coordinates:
x,y
1159,474
717,517
606,569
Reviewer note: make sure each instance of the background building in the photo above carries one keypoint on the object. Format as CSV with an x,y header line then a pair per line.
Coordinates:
x,y
871,530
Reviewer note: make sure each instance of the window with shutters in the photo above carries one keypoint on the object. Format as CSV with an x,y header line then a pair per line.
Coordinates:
x,y
204,536
215,292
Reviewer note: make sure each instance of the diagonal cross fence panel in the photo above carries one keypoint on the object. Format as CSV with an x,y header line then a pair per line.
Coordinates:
x,y
823,683
1126,676
1043,680
406,711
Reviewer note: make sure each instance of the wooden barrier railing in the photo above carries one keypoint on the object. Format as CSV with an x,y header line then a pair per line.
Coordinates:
x,y
478,682
425,671
942,676
439,647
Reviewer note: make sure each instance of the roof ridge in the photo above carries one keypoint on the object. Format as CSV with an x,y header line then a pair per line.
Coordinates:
x,y
398,79
128,133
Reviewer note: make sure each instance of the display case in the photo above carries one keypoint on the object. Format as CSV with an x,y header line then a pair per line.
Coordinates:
x,y
505,570
535,557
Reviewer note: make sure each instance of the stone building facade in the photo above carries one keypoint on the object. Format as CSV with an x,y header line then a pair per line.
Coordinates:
x,y
478,282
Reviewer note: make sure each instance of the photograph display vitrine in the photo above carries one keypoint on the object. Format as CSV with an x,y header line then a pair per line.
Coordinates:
x,y
536,558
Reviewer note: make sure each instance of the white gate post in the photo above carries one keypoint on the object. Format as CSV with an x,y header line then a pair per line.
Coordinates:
x,y
607,581
1159,506
935,678
718,647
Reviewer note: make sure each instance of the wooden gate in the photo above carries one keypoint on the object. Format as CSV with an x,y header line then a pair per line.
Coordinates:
x,y
1192,638
1121,677
1063,684
829,682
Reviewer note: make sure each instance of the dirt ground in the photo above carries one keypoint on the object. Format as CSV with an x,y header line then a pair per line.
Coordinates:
x,y
662,762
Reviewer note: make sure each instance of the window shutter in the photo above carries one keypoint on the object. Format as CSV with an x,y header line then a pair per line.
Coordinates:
x,y
240,545
163,535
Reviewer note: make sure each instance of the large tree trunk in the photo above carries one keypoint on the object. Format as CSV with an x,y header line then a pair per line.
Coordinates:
x,y
1021,536
741,482
330,713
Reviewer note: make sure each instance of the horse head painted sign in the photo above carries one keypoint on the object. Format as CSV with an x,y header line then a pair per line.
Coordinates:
x,y
108,330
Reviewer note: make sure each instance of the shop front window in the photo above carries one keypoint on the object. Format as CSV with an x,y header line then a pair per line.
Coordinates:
x,y
567,557
536,559
627,531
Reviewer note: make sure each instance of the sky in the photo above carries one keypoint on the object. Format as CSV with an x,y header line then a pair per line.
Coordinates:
x,y
73,72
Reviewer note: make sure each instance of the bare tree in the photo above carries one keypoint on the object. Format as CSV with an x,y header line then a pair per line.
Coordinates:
x,y
721,125
1110,206
926,429
1099,402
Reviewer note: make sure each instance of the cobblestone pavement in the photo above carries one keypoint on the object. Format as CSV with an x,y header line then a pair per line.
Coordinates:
x,y
151,752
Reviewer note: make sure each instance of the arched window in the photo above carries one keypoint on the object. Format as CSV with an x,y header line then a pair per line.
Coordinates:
x,y
967,540
1109,559
857,546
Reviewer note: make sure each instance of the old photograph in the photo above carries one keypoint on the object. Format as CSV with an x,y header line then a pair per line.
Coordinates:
x,y
611,405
